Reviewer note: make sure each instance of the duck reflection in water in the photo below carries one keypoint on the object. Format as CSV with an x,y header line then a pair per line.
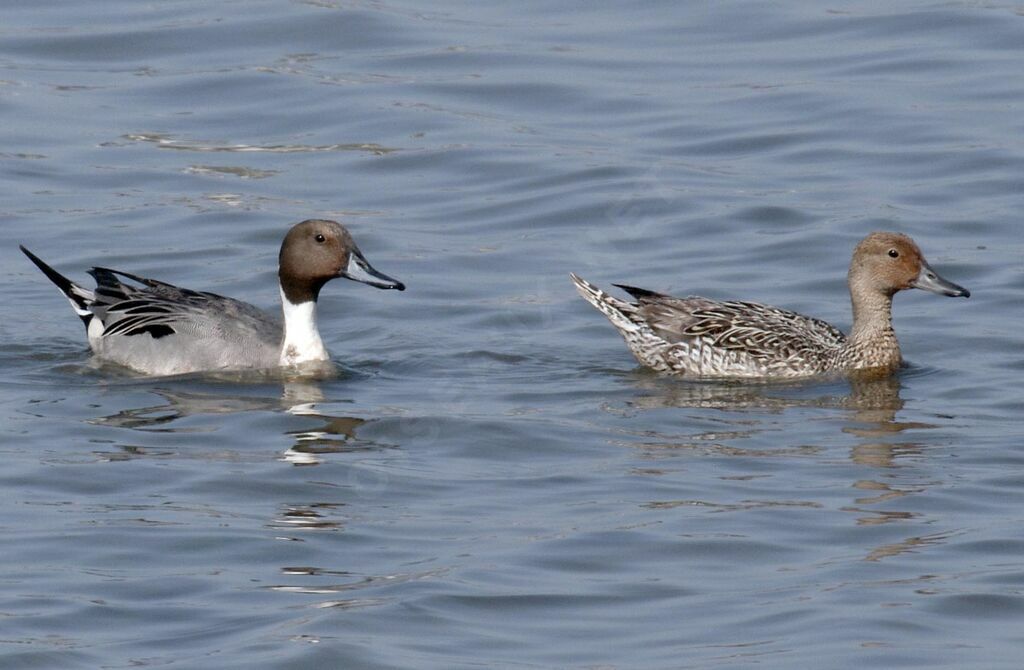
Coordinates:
x,y
744,424
332,433
868,393
873,403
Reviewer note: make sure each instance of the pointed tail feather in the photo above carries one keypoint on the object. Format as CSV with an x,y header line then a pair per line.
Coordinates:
x,y
617,311
80,298
639,293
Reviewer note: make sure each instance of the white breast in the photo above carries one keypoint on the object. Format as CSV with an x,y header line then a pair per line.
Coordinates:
x,y
302,341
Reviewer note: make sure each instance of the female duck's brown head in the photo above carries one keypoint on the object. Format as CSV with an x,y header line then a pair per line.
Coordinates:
x,y
884,263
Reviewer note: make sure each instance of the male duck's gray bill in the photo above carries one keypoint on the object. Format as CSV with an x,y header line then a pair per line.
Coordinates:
x,y
929,280
359,269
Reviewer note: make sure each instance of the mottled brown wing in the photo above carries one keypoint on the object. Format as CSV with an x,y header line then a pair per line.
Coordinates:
x,y
758,330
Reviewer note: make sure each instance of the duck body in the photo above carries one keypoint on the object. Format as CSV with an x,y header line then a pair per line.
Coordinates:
x,y
161,329
700,337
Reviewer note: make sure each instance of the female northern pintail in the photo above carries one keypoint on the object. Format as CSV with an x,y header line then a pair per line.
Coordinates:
x,y
700,337
160,329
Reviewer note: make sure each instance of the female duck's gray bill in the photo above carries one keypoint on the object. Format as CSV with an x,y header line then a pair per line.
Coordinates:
x,y
929,280
360,270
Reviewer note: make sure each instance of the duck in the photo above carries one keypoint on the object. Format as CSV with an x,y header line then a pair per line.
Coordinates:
x,y
704,338
158,329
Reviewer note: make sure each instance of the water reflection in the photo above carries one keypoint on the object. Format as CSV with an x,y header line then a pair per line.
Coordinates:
x,y
872,404
769,421
178,405
336,435
328,433
164,141
319,581
909,545
875,400
312,516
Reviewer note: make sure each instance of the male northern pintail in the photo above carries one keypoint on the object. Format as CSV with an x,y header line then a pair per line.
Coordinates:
x,y
160,329
696,336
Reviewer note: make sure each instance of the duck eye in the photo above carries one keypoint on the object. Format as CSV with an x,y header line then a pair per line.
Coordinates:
x,y
894,253
321,239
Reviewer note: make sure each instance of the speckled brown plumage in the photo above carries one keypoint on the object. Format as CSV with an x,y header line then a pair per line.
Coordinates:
x,y
697,336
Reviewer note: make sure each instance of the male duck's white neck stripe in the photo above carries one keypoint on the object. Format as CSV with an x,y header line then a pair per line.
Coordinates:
x,y
302,341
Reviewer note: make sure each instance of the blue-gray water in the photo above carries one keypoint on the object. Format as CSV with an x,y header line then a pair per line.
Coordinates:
x,y
490,481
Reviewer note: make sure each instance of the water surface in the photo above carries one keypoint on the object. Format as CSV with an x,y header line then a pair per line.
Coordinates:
x,y
489,480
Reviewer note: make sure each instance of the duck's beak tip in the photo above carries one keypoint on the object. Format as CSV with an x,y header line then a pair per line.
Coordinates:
x,y
929,280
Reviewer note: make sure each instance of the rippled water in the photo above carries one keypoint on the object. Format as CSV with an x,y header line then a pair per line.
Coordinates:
x,y
489,481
